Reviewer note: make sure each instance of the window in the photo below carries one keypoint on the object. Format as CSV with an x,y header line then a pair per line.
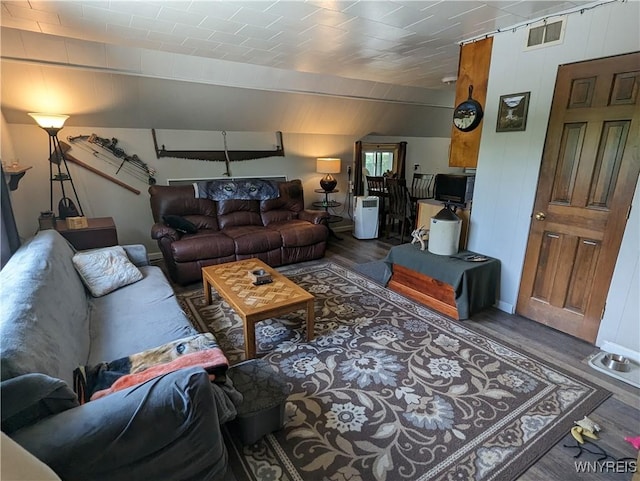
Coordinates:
x,y
546,34
380,158
376,159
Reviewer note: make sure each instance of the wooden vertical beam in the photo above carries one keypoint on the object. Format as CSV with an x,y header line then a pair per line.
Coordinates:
x,y
473,69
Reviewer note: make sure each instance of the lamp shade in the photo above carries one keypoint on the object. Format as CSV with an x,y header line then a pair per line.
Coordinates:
x,y
327,165
49,121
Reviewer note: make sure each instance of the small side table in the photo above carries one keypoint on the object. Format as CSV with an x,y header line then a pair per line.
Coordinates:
x,y
101,232
326,204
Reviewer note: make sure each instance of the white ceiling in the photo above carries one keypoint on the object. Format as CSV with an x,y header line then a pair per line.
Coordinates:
x,y
136,63
413,43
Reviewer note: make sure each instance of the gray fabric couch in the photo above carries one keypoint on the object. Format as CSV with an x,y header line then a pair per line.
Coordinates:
x,y
165,429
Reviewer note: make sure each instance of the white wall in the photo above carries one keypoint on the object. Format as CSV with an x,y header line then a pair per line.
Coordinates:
x,y
620,327
6,146
508,163
431,154
132,214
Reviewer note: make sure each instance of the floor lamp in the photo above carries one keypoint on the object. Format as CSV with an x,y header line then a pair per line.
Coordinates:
x,y
52,124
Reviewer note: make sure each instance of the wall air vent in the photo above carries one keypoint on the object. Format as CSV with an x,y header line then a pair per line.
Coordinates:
x,y
546,33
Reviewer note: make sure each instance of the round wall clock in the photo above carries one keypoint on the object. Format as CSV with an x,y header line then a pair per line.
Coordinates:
x,y
468,114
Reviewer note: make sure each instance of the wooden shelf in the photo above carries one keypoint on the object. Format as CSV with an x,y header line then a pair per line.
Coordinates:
x,y
15,174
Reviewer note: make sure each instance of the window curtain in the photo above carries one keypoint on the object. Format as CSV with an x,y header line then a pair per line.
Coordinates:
x,y
402,154
9,238
358,179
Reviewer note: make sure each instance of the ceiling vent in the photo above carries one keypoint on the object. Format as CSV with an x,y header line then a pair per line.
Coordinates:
x,y
546,33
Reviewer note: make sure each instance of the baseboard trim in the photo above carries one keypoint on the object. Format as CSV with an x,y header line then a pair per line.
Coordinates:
x,y
155,256
505,307
614,348
342,228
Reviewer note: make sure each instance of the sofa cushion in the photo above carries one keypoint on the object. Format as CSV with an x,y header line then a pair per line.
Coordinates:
x,y
297,233
203,221
206,244
167,428
238,212
278,215
137,317
180,224
291,198
178,200
31,397
105,270
44,322
251,239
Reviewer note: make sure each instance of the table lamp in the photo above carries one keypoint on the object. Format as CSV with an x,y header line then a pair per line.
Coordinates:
x,y
328,166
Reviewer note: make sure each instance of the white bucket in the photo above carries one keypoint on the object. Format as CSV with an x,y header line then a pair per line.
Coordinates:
x,y
444,234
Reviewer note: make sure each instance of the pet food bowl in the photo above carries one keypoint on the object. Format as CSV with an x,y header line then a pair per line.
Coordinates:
x,y
616,362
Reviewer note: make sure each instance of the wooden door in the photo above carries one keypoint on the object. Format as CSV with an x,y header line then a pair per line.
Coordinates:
x,y
588,175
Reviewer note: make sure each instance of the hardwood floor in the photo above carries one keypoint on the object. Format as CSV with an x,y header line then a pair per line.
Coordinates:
x,y
618,416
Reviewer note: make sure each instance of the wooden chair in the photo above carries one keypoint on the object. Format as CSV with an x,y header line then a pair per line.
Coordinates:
x,y
400,206
421,186
376,187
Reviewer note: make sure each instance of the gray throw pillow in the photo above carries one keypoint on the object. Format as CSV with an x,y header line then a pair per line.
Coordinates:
x,y
105,270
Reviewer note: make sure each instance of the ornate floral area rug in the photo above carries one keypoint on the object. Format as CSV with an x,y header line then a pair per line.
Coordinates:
x,y
390,390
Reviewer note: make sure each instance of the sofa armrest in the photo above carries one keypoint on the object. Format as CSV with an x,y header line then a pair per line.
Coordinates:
x,y
32,397
137,254
166,428
159,230
314,216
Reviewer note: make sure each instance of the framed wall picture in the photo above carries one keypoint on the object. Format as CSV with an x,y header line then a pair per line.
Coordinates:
x,y
512,112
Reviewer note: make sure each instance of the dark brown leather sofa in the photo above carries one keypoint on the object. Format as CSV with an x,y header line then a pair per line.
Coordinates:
x,y
277,231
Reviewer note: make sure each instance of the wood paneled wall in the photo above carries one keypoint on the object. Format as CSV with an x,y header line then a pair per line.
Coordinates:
x,y
473,69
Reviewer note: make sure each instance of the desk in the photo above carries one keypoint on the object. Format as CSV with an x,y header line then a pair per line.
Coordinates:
x,y
452,286
101,232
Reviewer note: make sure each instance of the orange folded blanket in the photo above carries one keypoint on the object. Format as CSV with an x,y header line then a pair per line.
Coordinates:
x,y
209,360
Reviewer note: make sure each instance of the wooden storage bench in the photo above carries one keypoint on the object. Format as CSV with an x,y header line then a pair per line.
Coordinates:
x,y
448,284
428,291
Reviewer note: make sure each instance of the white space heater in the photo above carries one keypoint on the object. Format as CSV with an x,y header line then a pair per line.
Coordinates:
x,y
366,217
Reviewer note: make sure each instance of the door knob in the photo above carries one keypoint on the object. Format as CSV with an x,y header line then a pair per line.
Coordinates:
x,y
541,216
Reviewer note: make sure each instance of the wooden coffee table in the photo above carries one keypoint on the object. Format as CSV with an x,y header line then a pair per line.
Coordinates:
x,y
256,303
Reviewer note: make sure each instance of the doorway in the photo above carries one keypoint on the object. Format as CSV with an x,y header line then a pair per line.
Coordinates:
x,y
588,174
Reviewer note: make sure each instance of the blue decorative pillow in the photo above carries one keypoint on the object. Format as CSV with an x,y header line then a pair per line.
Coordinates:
x,y
180,224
